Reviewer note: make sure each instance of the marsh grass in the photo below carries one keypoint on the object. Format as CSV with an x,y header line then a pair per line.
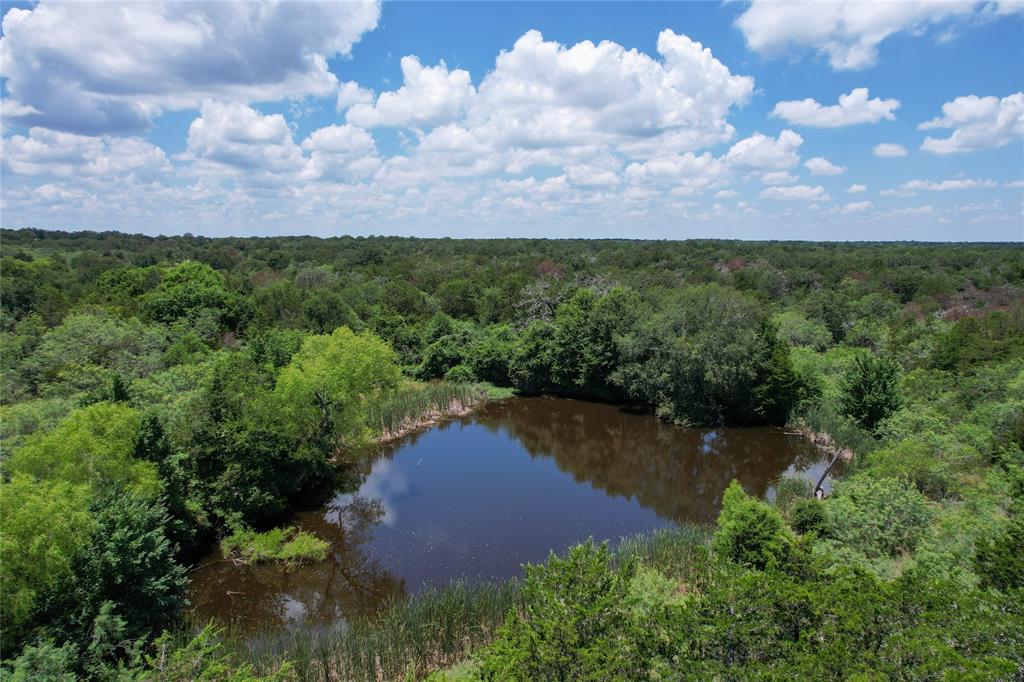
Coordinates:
x,y
673,551
435,629
439,628
416,406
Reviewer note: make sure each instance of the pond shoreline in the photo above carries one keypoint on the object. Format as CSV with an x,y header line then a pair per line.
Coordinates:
x,y
433,417
477,487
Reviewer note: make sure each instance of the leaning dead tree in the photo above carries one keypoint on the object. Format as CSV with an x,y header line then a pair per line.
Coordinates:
x,y
826,444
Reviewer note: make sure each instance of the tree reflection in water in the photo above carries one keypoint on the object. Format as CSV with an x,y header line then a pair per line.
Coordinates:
x,y
679,473
270,596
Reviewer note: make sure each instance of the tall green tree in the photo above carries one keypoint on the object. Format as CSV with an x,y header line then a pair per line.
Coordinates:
x,y
871,389
323,392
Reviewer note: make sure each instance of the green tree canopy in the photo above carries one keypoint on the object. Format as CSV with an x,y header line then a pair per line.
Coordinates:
x,y
871,389
94,446
324,390
44,525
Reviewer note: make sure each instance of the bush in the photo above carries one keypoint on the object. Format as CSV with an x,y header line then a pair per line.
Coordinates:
x,y
807,516
576,626
871,389
878,517
916,461
750,532
1000,560
460,374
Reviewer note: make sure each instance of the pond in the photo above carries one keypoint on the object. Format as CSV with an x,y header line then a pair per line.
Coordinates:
x,y
479,496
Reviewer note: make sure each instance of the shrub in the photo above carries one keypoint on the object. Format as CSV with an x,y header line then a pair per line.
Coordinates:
x,y
916,461
576,625
1000,560
879,517
460,374
871,389
807,516
750,532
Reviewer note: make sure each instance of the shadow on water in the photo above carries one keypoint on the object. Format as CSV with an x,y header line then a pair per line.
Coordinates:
x,y
479,496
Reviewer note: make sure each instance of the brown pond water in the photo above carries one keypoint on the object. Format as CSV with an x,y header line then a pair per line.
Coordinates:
x,y
479,496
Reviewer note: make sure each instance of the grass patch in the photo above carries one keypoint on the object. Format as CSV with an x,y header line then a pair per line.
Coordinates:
x,y
278,544
497,392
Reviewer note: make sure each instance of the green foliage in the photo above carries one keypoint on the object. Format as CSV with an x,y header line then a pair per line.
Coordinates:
x,y
799,331
918,461
871,389
585,345
325,390
203,659
205,377
44,661
186,290
128,565
976,340
808,516
530,365
20,420
277,544
44,525
85,350
412,405
577,623
1000,560
751,532
93,445
878,517
709,357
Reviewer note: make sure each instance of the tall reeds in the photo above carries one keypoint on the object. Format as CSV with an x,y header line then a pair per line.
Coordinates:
x,y
419,405
435,629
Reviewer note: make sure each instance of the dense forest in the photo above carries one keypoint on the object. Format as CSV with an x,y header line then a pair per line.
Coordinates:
x,y
162,394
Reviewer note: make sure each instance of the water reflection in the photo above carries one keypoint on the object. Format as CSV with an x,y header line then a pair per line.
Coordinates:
x,y
679,473
480,496
349,583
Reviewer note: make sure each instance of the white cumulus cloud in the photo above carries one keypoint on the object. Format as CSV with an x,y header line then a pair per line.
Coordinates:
x,y
945,185
798,192
544,94
857,207
856,189
977,123
237,136
763,152
429,95
779,178
848,32
819,165
67,155
854,107
889,150
111,67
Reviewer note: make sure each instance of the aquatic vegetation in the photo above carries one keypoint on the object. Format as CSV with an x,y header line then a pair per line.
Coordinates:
x,y
277,544
418,405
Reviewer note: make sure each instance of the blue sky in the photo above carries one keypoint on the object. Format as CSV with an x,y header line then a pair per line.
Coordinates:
x,y
648,120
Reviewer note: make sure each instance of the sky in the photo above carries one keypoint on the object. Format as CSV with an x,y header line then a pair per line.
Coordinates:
x,y
821,120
